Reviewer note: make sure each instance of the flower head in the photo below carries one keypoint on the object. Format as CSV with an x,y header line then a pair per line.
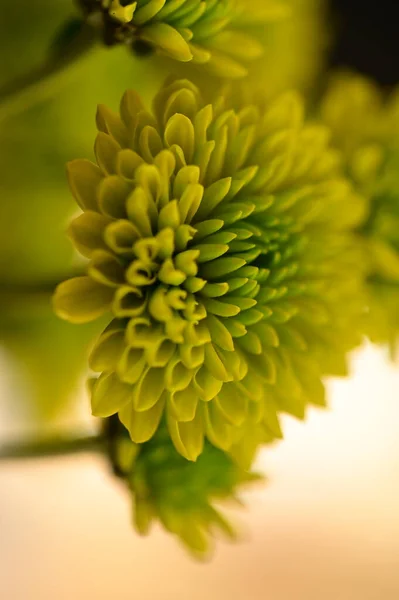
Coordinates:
x,y
365,127
220,242
179,494
215,34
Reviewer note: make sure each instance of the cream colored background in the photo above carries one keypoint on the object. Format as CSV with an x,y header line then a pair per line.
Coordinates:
x,y
325,528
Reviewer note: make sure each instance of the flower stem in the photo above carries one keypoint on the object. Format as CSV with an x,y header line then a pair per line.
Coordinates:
x,y
44,81
52,447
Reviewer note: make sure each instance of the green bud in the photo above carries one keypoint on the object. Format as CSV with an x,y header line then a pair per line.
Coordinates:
x,y
180,495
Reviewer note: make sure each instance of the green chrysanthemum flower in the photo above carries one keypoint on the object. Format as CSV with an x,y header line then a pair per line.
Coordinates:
x,y
365,127
215,34
179,494
220,241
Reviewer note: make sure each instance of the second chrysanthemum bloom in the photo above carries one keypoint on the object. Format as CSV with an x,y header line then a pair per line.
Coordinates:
x,y
365,127
220,36
220,242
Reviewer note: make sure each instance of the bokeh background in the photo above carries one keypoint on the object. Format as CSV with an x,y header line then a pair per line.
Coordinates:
x,y
327,524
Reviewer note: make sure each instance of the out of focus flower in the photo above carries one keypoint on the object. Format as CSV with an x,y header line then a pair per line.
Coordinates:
x,y
220,242
216,34
179,494
365,126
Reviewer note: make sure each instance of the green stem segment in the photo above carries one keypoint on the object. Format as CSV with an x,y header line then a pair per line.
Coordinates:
x,y
46,80
53,447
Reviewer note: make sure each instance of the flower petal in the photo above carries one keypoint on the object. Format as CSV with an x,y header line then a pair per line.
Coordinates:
x,y
80,300
84,178
188,438
87,232
109,395
141,424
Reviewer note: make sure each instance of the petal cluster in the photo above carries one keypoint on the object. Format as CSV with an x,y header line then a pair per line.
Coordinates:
x,y
215,34
220,241
179,494
365,127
